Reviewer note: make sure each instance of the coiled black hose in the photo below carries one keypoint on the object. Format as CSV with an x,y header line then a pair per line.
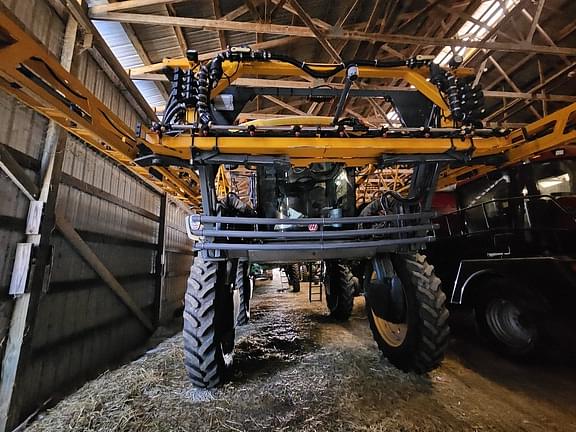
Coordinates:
x,y
203,95
453,96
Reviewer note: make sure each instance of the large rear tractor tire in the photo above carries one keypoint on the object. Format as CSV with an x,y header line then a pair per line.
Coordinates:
x,y
406,310
340,286
208,323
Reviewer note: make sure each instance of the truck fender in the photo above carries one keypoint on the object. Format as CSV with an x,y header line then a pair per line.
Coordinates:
x,y
468,273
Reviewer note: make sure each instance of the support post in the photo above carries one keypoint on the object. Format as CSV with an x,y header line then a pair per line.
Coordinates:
x,y
26,305
160,263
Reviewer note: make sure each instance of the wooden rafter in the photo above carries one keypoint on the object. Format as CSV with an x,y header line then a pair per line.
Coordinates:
x,y
534,89
284,105
130,4
289,30
468,17
306,19
562,35
178,30
218,14
141,51
140,72
287,6
535,20
512,84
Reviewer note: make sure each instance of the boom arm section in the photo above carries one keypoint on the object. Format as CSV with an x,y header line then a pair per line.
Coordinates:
x,y
165,155
456,137
553,131
33,75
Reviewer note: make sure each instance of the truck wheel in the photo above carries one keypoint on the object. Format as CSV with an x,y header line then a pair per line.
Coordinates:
x,y
293,273
208,323
407,313
510,319
244,287
304,273
340,286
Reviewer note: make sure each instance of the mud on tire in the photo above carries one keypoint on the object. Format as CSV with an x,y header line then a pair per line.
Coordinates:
x,y
340,287
427,331
208,324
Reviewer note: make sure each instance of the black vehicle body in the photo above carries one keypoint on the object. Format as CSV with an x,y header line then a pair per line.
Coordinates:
x,y
516,227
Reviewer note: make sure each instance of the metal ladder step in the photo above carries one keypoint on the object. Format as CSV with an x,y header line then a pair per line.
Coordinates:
x,y
315,289
284,281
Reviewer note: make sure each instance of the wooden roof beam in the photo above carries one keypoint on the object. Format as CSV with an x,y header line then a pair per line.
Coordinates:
x,y
306,19
543,33
140,72
507,18
284,105
141,51
468,17
218,14
534,89
562,34
129,4
288,30
535,20
178,31
287,6
109,63
512,84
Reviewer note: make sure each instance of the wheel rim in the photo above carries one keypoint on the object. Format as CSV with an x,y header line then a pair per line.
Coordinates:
x,y
393,334
503,318
228,357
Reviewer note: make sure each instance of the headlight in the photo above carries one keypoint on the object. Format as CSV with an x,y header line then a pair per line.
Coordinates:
x,y
192,225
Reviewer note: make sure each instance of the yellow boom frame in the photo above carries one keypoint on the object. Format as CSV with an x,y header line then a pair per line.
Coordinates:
x,y
52,91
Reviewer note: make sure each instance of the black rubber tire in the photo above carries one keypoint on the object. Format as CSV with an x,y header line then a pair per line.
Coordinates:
x,y
304,273
427,331
339,285
532,309
243,285
293,274
208,324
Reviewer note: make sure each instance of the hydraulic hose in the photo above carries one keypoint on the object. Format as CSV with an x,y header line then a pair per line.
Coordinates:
x,y
210,74
203,95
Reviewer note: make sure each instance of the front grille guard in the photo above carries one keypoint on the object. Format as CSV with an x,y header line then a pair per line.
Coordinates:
x,y
325,237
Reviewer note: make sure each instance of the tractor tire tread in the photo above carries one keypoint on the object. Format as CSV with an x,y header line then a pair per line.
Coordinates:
x,y
200,345
345,287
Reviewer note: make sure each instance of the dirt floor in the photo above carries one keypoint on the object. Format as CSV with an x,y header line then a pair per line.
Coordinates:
x,y
295,370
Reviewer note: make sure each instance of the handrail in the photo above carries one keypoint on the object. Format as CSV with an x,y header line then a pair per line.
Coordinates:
x,y
524,199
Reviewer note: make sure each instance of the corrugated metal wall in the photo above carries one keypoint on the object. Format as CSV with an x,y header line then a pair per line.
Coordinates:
x,y
81,326
23,130
178,259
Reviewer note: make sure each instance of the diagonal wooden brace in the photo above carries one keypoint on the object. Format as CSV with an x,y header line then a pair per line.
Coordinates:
x,y
72,236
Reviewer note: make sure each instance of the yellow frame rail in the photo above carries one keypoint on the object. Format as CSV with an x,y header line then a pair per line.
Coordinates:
x,y
33,75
